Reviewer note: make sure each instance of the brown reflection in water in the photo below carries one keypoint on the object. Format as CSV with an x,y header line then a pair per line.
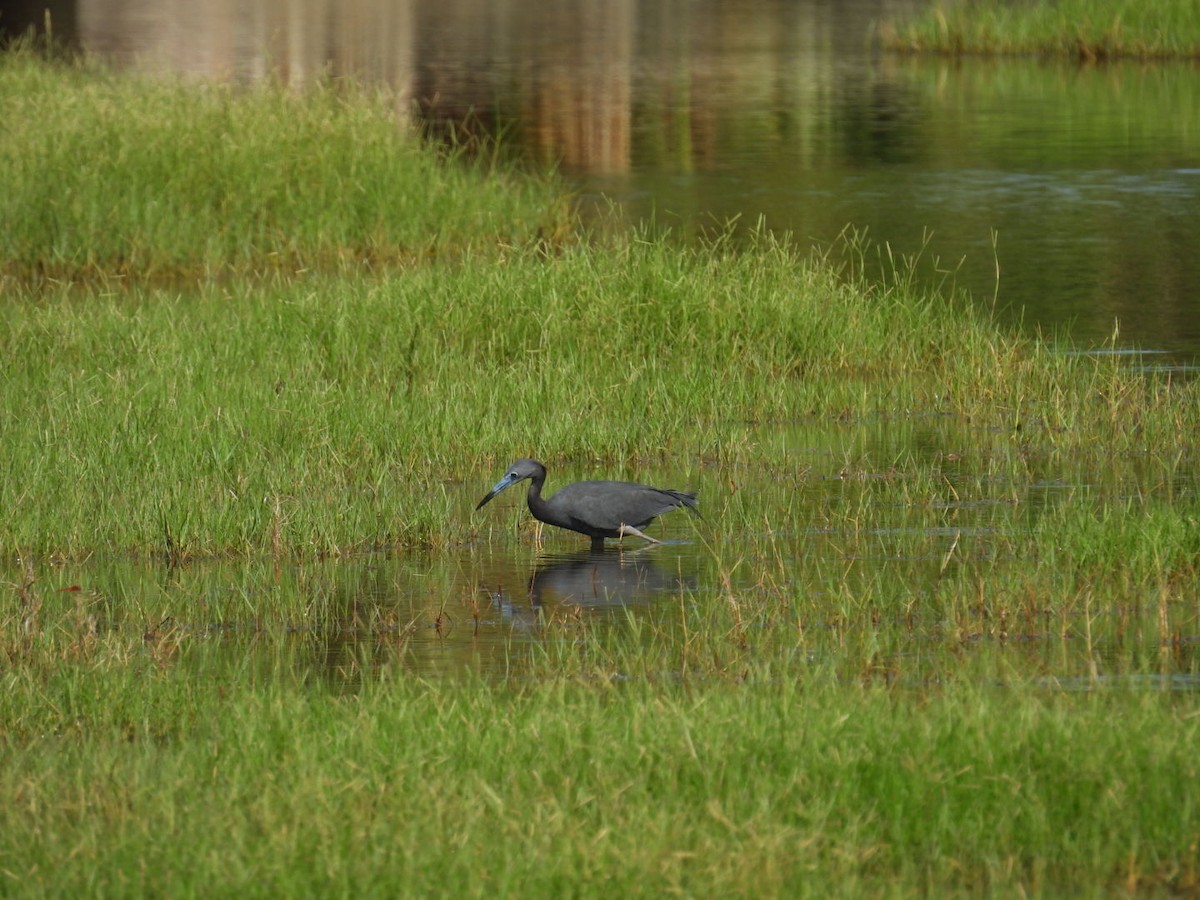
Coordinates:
x,y
294,42
562,69
579,80
582,112
595,87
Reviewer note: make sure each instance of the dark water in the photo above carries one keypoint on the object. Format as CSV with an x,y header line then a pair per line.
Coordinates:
x,y
1081,184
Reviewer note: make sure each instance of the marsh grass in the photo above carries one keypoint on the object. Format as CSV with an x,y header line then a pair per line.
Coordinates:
x,y
945,669
327,414
1087,30
111,177
768,788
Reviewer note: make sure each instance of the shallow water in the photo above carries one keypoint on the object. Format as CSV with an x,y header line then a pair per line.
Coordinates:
x,y
869,553
336,624
336,621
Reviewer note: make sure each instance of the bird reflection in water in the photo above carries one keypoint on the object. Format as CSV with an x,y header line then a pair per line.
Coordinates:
x,y
594,581
600,580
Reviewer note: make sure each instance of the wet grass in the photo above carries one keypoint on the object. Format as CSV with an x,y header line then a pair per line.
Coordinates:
x,y
865,688
328,414
1087,30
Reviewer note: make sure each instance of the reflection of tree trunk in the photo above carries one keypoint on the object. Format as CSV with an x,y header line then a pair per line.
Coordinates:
x,y
567,85
581,99
21,16
294,42
458,83
582,122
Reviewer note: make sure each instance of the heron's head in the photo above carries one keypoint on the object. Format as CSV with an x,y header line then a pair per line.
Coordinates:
x,y
518,471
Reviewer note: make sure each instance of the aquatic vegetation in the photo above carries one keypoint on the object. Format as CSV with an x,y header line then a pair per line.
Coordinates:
x,y
769,786
110,177
332,413
1087,30
957,654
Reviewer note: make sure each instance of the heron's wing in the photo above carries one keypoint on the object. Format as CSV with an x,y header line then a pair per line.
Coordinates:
x,y
610,504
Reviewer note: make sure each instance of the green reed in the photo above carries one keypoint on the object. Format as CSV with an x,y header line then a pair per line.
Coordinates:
x,y
1088,30
115,176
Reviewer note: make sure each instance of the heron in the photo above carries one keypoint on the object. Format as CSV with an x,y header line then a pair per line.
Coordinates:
x,y
599,509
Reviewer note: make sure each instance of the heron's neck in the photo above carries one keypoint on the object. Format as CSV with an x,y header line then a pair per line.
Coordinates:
x,y
533,497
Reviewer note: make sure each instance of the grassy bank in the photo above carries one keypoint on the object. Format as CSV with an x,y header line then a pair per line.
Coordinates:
x,y
809,735
306,375
109,177
769,788
176,385
329,413
1088,30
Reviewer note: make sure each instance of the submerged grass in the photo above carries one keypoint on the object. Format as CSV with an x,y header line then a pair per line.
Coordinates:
x,y
794,722
1087,30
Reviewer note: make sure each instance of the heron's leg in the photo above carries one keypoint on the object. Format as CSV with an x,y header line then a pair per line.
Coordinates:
x,y
629,529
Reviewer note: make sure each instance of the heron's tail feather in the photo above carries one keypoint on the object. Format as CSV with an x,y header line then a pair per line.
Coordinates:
x,y
686,498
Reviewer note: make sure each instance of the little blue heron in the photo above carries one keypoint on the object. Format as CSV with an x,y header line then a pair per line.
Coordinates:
x,y
599,509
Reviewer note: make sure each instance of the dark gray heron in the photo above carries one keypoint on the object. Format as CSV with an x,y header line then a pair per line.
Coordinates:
x,y
599,509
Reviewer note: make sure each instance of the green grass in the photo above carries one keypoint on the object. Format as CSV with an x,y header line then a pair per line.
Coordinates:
x,y
1088,30
765,788
332,413
112,176
249,383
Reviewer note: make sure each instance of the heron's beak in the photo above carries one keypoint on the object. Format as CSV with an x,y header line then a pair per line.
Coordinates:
x,y
500,485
